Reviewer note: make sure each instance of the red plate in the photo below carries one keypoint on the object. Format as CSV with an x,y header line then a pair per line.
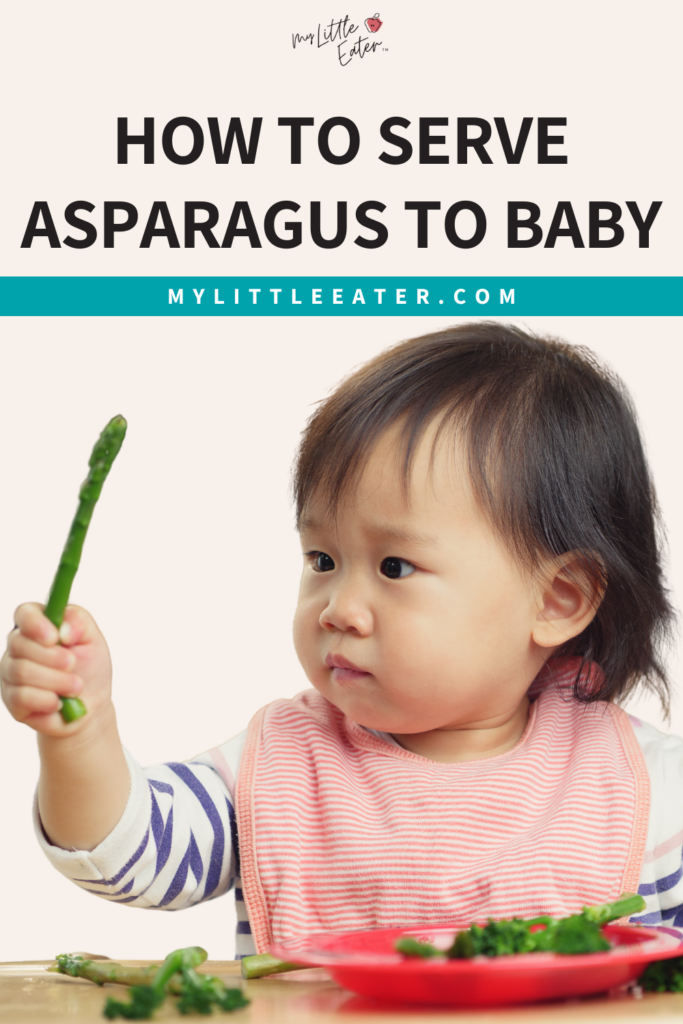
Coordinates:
x,y
367,963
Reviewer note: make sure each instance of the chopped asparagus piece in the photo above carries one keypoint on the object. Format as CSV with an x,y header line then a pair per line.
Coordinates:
x,y
411,947
260,965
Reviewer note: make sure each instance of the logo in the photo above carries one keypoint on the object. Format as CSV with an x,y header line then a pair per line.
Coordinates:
x,y
347,41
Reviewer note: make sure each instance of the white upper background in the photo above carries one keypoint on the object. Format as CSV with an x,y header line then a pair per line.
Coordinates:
x,y
192,564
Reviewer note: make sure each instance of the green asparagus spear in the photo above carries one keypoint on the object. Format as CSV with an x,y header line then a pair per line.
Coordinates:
x,y
103,455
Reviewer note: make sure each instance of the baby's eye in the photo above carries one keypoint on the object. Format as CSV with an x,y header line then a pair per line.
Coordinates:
x,y
322,562
396,568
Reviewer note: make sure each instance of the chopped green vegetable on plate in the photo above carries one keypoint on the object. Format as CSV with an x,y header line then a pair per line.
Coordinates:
x,y
577,933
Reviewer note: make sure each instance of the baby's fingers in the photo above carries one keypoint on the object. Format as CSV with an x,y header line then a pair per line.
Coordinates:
x,y
23,702
79,628
20,646
20,673
31,621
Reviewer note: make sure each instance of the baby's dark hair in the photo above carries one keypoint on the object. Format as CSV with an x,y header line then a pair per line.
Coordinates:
x,y
555,459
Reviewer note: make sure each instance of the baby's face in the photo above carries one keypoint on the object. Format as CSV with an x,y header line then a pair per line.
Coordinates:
x,y
414,616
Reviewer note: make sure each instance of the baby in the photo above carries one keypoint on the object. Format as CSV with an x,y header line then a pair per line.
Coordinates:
x,y
481,587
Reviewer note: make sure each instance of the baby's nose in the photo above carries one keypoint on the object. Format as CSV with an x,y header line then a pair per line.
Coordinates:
x,y
347,612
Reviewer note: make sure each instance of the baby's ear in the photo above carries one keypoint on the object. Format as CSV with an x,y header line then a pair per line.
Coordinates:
x,y
570,589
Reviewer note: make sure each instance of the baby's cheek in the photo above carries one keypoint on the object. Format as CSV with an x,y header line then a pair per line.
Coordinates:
x,y
306,631
298,634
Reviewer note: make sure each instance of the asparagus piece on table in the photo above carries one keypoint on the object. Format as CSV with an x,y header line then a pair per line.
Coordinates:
x,y
145,998
103,454
102,972
198,993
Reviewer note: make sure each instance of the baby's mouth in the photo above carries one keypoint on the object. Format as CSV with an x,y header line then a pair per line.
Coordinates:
x,y
343,670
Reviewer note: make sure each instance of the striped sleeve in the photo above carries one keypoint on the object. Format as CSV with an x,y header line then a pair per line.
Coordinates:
x,y
661,880
175,845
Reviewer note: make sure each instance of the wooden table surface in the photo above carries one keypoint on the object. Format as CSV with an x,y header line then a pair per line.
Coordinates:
x,y
31,995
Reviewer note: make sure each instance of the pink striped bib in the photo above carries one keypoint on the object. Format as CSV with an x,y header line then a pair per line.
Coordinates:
x,y
340,830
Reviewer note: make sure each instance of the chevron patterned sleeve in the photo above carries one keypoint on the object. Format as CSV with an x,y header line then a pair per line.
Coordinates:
x,y
175,845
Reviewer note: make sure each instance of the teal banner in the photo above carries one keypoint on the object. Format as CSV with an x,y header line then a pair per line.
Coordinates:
x,y
341,296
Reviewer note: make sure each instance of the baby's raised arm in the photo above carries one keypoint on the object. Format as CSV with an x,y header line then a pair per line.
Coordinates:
x,y
84,779
163,837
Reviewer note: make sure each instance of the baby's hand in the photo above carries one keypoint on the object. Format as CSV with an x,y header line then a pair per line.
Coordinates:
x,y
42,664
